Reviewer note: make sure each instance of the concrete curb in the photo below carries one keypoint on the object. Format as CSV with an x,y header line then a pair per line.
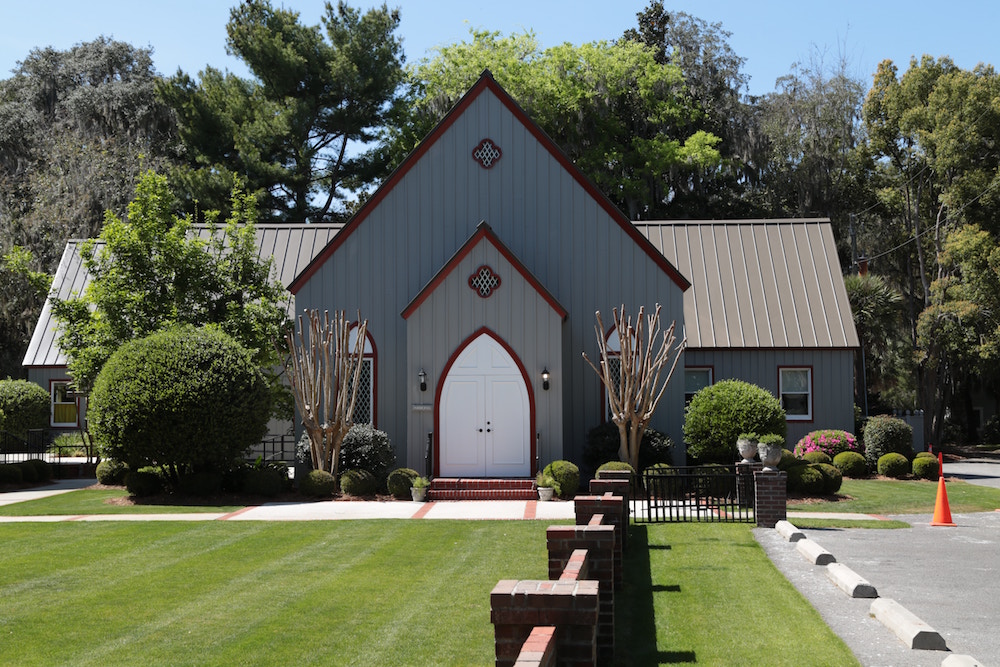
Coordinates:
x,y
849,581
914,632
789,532
961,661
814,553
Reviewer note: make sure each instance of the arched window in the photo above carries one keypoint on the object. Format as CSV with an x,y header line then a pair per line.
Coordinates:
x,y
364,408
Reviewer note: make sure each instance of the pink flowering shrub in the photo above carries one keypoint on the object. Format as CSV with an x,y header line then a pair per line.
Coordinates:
x,y
829,441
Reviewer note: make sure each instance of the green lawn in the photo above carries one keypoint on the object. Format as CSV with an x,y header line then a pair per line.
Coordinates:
x,y
876,496
371,593
100,501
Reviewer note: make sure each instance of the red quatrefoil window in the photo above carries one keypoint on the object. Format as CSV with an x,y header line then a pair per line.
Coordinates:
x,y
484,281
486,153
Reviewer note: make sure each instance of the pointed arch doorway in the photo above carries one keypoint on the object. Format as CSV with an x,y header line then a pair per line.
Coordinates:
x,y
484,413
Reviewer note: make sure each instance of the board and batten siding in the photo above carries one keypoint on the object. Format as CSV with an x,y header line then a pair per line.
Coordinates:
x,y
832,380
549,221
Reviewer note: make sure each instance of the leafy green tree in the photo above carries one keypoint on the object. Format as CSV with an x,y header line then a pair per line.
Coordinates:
x,y
186,399
24,291
23,406
611,107
150,272
877,313
293,129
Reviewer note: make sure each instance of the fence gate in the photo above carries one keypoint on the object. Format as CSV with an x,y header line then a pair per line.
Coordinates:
x,y
722,493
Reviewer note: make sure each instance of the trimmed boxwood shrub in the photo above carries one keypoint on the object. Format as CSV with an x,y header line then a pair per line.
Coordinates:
x,y
185,398
318,484
24,406
43,469
603,442
817,456
893,465
925,455
806,479
566,474
926,467
620,465
399,482
851,464
10,474
885,434
830,441
832,477
357,483
111,472
790,460
718,414
143,482
367,448
28,473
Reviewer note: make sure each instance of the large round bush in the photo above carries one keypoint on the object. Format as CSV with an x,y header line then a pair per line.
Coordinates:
x,y
718,414
183,398
399,482
926,467
357,483
111,472
851,464
24,406
884,435
806,479
893,465
832,477
367,448
566,474
830,441
318,484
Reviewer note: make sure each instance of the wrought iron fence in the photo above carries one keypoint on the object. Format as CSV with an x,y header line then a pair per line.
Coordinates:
x,y
695,493
14,449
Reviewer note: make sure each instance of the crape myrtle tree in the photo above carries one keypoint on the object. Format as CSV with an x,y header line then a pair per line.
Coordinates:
x,y
325,373
646,358
294,130
150,272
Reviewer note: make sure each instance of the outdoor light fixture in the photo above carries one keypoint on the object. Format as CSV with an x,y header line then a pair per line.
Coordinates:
x,y
545,378
423,380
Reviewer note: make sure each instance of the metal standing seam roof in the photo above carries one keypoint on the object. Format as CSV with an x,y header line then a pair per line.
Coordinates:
x,y
758,284
292,245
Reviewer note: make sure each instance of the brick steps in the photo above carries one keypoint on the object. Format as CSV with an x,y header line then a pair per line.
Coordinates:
x,y
449,488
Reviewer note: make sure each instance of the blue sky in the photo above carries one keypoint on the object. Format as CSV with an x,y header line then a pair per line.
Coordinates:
x,y
189,34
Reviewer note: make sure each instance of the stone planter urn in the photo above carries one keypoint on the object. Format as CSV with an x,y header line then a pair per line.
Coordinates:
x,y
747,447
770,454
418,493
545,493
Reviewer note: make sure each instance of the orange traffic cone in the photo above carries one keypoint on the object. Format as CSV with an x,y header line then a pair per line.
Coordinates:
x,y
942,513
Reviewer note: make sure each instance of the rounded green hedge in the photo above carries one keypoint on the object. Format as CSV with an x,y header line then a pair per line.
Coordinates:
x,y
817,457
832,477
24,406
851,464
357,483
893,465
926,467
790,460
718,414
925,455
806,479
111,472
399,482
43,469
885,434
566,474
183,398
318,484
10,474
144,482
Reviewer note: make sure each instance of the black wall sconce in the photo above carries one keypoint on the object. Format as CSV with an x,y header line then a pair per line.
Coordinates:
x,y
545,378
423,380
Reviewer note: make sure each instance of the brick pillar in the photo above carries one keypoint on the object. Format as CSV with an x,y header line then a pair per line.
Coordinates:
x,y
613,507
599,541
539,650
770,497
516,607
618,475
744,482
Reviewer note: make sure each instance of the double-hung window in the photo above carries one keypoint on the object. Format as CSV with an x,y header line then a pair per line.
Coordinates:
x,y
795,389
696,379
64,413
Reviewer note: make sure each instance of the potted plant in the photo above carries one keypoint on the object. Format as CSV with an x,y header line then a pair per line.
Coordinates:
x,y
746,444
547,486
418,489
769,447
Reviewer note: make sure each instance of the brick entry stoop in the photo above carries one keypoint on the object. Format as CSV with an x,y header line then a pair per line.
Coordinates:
x,y
446,488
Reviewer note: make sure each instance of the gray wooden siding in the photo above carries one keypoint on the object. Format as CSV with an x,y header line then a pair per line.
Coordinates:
x,y
551,223
832,380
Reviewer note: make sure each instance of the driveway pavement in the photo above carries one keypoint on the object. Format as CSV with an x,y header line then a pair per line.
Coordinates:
x,y
949,577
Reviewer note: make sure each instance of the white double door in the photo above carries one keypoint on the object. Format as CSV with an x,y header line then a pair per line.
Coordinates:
x,y
485,415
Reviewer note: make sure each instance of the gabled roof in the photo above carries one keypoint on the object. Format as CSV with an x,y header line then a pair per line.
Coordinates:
x,y
483,231
757,284
485,83
291,246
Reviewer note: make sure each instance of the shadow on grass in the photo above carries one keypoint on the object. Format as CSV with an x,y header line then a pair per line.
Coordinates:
x,y
635,617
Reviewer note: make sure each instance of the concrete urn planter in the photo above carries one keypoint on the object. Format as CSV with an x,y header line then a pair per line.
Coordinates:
x,y
545,493
418,493
770,454
747,449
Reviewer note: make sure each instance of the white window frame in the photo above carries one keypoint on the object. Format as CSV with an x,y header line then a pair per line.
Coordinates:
x,y
710,371
368,360
808,393
57,388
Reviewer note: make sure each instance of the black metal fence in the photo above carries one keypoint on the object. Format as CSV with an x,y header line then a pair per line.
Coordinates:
x,y
695,493
14,449
274,448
